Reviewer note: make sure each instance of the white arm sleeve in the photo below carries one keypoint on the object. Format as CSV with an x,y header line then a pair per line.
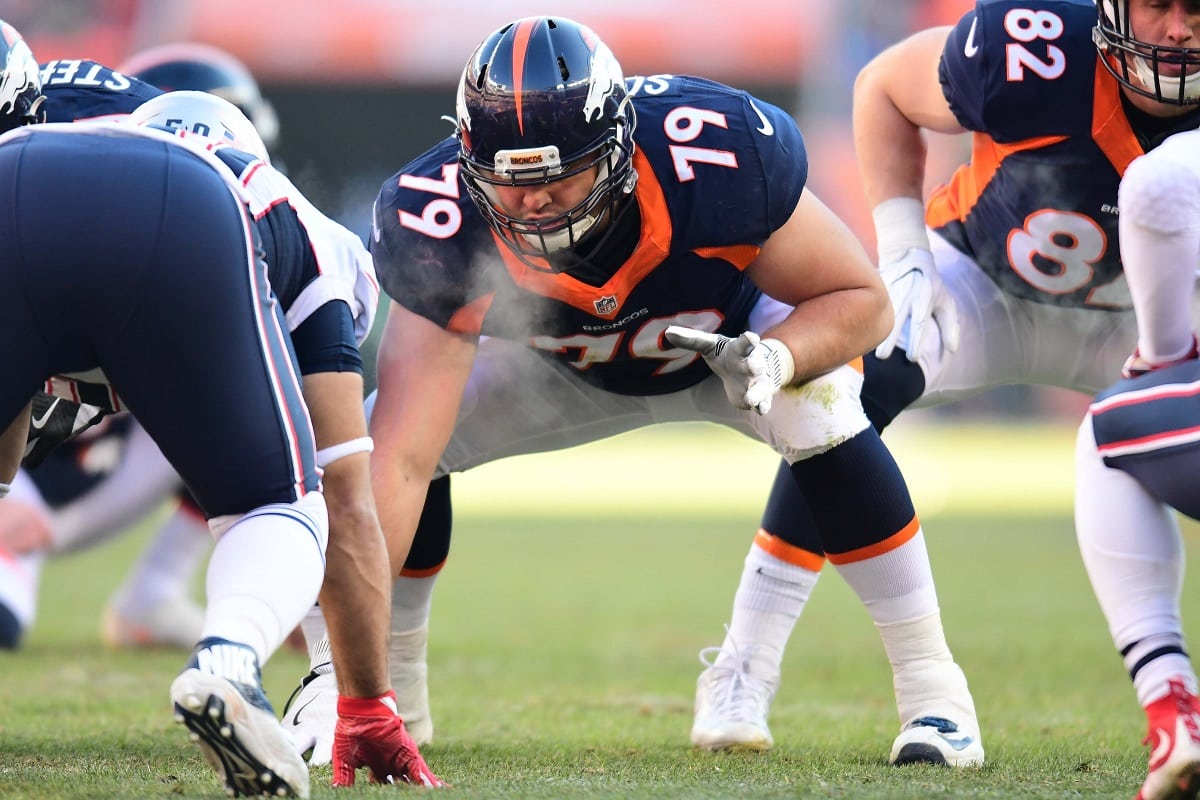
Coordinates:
x,y
1159,203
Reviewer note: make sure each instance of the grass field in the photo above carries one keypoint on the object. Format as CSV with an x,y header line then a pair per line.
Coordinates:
x,y
563,650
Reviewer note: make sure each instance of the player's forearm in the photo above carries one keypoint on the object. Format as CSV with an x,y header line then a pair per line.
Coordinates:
x,y
831,330
356,594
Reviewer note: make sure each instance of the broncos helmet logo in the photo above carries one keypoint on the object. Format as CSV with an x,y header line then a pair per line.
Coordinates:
x,y
606,78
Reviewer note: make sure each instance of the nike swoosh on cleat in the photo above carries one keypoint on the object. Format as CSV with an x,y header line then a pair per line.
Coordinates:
x,y
300,710
958,744
1162,749
39,422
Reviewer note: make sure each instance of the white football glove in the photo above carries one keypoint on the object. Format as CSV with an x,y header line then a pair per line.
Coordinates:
x,y
917,293
311,715
752,369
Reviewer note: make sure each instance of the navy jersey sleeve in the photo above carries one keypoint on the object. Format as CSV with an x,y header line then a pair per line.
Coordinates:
x,y
733,166
82,90
784,160
324,341
426,235
1017,69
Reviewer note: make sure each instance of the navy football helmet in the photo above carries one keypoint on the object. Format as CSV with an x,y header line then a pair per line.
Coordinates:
x,y
203,68
542,99
1140,66
21,95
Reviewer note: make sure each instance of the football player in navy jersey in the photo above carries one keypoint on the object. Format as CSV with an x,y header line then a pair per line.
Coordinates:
x,y
99,484
587,255
1136,459
103,302
80,90
1010,273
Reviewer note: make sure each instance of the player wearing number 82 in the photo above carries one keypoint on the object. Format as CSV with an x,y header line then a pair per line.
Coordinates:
x,y
1010,273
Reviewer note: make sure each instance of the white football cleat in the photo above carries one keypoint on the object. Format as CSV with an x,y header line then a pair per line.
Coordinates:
x,y
934,740
235,727
940,726
731,704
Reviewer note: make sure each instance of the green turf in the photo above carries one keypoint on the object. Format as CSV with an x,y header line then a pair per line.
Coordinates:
x,y
563,660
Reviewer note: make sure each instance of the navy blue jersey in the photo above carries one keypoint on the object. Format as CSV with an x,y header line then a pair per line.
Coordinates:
x,y
84,90
1036,207
718,172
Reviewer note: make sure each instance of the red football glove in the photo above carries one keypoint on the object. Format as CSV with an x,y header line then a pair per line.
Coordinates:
x,y
369,733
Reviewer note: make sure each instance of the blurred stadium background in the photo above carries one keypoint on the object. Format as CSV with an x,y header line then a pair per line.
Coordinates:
x,y
361,86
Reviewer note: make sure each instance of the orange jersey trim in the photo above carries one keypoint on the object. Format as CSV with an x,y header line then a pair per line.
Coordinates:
x,y
893,542
739,255
469,319
653,246
788,553
1110,127
954,200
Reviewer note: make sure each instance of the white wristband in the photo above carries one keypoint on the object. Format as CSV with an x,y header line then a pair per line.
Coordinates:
x,y
328,455
899,227
787,364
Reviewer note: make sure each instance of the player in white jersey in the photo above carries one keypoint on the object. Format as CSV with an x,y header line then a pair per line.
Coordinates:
x,y
1138,457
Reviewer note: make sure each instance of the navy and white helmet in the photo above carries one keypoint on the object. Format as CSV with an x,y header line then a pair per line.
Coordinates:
x,y
542,99
204,115
1162,73
21,95
203,68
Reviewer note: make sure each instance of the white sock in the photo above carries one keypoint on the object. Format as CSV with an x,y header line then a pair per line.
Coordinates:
x,y
770,597
265,574
898,592
1133,554
167,566
412,599
895,586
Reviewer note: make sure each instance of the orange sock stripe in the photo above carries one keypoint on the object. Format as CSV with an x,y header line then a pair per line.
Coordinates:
x,y
422,573
788,553
879,548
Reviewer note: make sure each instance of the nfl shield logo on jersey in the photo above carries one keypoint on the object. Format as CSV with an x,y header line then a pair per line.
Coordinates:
x,y
605,305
